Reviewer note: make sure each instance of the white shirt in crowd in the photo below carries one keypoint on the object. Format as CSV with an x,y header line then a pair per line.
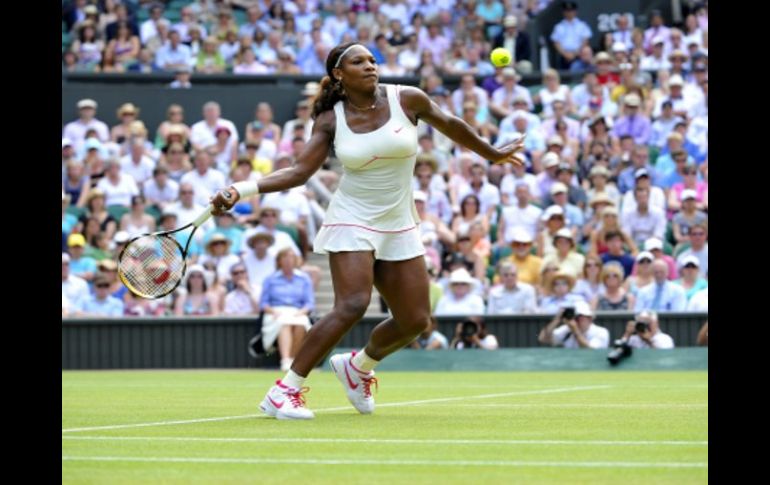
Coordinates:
x,y
660,339
598,337
470,304
204,185
141,172
204,135
521,299
118,194
154,194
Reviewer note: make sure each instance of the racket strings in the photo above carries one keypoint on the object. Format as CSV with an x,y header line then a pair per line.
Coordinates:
x,y
152,266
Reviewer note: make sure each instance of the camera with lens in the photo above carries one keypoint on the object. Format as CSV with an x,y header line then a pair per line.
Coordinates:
x,y
620,350
568,313
642,327
469,328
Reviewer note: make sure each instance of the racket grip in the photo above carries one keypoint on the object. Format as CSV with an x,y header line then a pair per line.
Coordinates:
x,y
203,217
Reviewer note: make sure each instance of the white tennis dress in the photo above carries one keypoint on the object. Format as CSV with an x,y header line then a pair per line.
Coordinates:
x,y
373,208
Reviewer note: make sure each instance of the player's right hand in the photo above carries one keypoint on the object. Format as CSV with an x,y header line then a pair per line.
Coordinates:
x,y
224,200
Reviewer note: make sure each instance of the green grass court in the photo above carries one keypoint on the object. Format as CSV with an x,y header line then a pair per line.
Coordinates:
x,y
430,427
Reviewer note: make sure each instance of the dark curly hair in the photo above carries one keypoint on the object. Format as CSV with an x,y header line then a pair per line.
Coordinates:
x,y
331,89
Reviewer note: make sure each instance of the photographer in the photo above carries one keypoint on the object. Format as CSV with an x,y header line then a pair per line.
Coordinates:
x,y
472,334
644,333
431,338
573,328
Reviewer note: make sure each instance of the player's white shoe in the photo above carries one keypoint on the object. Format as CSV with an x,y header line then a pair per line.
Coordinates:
x,y
357,384
284,402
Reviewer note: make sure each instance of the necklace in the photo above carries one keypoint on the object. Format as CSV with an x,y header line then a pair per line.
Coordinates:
x,y
374,105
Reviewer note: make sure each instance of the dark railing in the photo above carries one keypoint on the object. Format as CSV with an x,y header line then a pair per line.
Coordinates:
x,y
125,343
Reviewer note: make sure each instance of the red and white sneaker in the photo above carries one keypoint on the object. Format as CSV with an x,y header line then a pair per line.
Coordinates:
x,y
357,384
284,402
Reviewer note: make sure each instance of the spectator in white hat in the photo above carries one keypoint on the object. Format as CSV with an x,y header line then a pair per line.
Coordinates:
x,y
600,185
460,300
642,273
699,246
656,58
639,157
575,332
572,213
501,104
691,281
527,264
553,219
661,294
655,247
633,122
569,261
75,131
73,288
118,187
550,163
691,182
687,217
516,41
643,179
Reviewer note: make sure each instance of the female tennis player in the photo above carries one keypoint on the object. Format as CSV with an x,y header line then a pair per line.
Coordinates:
x,y
370,231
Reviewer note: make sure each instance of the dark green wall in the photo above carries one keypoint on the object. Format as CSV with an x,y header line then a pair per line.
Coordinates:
x,y
126,343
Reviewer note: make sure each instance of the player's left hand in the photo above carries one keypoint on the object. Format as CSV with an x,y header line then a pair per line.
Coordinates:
x,y
512,153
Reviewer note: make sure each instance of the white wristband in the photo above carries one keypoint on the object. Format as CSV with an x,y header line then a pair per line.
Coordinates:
x,y
246,188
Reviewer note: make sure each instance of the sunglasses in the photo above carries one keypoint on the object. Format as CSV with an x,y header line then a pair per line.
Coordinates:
x,y
103,286
269,214
183,192
645,261
240,271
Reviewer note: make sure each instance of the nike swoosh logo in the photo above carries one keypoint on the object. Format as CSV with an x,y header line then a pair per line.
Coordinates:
x,y
279,406
396,131
352,385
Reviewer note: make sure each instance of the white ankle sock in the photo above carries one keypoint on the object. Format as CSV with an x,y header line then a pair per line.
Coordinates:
x,y
292,379
363,362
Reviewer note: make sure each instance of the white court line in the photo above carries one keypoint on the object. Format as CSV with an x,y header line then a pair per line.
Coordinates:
x,y
340,408
311,461
586,406
391,441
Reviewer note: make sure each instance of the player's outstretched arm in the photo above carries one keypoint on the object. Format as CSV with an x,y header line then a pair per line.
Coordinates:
x,y
458,130
307,163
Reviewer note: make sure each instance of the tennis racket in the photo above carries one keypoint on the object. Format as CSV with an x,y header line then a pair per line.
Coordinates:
x,y
152,265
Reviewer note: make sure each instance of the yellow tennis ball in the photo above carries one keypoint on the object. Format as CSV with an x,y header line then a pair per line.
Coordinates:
x,y
500,57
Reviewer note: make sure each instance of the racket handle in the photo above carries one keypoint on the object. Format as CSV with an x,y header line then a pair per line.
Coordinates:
x,y
203,217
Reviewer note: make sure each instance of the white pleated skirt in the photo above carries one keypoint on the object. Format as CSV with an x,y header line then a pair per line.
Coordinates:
x,y
387,245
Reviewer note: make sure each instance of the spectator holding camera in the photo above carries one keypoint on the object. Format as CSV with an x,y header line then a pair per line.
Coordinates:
x,y
431,338
644,333
472,334
573,328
